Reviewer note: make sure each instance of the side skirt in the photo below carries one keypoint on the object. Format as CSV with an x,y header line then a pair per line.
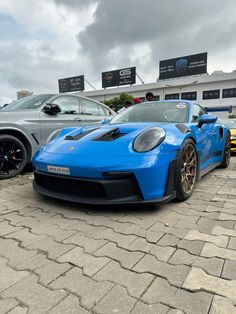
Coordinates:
x,y
209,168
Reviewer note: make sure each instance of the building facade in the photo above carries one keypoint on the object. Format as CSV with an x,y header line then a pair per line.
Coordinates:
x,y
215,90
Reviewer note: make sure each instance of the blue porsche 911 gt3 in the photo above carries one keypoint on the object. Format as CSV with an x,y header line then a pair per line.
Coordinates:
x,y
151,152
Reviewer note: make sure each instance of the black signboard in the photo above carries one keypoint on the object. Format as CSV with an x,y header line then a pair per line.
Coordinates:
x,y
183,66
71,84
125,76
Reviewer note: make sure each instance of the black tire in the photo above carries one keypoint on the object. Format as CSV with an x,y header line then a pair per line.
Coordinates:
x,y
13,156
186,171
227,153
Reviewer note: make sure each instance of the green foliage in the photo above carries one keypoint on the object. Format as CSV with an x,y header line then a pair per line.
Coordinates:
x,y
118,102
232,116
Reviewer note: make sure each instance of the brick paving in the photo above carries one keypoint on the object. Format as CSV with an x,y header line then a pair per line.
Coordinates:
x,y
59,257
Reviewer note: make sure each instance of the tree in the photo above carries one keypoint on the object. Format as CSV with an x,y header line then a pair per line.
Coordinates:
x,y
119,102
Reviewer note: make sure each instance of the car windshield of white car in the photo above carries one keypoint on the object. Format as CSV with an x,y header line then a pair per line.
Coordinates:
x,y
30,102
166,111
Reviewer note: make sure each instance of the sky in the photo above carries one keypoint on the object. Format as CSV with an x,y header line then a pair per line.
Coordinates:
x,y
43,41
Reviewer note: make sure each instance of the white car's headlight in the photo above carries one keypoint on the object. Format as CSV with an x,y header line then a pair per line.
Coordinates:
x,y
53,135
149,139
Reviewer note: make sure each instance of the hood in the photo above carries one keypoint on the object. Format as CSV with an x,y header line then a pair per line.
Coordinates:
x,y
112,139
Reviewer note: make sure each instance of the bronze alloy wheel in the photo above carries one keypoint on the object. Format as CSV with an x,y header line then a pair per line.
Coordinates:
x,y
227,153
188,168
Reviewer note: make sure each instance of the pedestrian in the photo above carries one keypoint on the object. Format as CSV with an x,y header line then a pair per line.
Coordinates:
x,y
150,96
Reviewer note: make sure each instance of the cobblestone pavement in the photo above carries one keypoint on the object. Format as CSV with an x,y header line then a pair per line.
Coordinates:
x,y
58,257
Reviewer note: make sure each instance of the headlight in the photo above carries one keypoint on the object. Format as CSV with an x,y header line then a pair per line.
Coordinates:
x,y
53,135
149,139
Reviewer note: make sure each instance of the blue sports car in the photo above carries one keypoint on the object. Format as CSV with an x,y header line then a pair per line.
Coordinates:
x,y
151,152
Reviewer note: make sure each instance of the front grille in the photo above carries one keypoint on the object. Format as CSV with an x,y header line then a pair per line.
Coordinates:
x,y
71,186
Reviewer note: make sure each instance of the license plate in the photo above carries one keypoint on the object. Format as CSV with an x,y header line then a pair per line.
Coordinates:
x,y
60,170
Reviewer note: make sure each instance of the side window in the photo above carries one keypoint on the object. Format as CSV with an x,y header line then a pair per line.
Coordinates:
x,y
68,104
197,112
107,111
89,107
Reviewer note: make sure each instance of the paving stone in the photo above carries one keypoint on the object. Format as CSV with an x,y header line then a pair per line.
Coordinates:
x,y
111,303
6,228
217,230
19,310
135,283
168,240
174,274
212,265
87,230
37,297
198,280
220,240
89,263
193,247
89,290
57,233
54,249
70,305
32,262
177,232
175,311
89,245
7,304
25,236
51,271
142,308
120,239
221,305
162,253
232,243
210,250
224,216
10,249
160,291
229,270
140,244
126,258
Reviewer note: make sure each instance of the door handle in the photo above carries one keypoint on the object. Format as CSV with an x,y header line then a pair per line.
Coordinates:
x,y
77,119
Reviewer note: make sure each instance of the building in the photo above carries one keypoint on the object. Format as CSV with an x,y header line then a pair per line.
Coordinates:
x,y
215,90
23,93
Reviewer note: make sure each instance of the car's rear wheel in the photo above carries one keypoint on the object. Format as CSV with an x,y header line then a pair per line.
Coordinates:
x,y
227,153
13,156
186,172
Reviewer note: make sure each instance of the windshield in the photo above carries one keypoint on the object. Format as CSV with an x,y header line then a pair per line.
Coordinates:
x,y
30,102
163,111
231,124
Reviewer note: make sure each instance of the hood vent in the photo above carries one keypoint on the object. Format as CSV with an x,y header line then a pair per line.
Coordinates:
x,y
79,136
110,136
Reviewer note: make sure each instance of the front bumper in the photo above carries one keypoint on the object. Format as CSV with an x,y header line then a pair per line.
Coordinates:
x,y
120,189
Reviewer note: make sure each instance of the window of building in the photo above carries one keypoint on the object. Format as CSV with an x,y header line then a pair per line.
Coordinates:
x,y
229,92
211,94
171,96
189,96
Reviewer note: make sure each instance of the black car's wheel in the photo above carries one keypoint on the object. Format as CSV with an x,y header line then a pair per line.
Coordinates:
x,y
186,172
227,153
13,156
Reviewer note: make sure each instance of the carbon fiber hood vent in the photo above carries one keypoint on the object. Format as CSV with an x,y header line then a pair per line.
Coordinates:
x,y
110,136
79,136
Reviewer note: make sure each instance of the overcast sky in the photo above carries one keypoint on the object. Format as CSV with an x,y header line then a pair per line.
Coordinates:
x,y
42,41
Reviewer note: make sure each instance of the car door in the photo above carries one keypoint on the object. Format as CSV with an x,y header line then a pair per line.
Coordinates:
x,y
205,136
68,117
91,111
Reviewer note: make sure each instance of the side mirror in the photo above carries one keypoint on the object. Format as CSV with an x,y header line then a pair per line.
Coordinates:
x,y
106,120
206,119
51,109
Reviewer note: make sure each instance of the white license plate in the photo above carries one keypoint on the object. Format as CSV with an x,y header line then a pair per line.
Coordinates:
x,y
60,170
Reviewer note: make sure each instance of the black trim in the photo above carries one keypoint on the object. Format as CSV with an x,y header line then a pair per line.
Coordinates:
x,y
35,138
79,136
217,153
209,168
183,128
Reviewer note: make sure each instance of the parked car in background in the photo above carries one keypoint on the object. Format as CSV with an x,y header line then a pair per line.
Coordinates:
x,y
231,124
26,124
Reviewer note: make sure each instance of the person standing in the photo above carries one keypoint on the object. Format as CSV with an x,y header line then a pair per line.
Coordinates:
x,y
149,96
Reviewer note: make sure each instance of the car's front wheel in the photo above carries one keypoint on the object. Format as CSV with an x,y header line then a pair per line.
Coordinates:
x,y
227,153
186,172
13,156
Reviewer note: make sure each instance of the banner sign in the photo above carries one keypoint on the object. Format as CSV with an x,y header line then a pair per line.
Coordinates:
x,y
71,84
120,77
183,66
